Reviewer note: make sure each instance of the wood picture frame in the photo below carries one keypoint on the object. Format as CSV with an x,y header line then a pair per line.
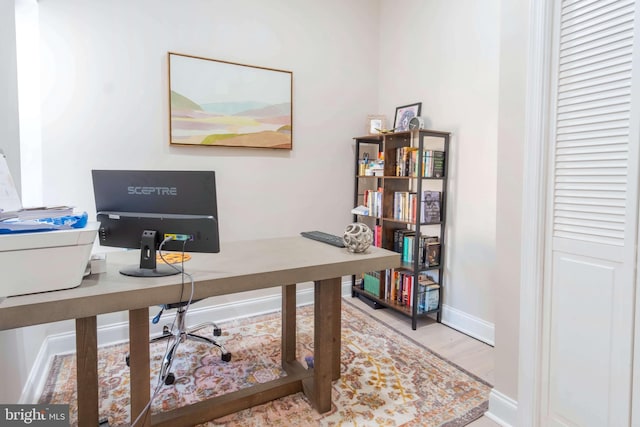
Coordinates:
x,y
221,103
404,114
375,123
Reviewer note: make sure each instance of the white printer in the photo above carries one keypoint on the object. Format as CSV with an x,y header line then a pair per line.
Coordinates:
x,y
44,261
40,261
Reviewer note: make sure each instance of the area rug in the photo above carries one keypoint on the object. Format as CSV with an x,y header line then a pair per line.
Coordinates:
x,y
387,379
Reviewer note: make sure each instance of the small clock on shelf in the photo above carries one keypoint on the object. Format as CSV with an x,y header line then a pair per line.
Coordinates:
x,y
416,122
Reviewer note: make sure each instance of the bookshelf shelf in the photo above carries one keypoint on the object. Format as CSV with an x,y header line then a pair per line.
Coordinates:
x,y
393,305
367,216
410,196
399,221
422,267
406,177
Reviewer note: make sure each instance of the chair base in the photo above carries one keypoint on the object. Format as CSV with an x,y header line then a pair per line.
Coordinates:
x,y
178,336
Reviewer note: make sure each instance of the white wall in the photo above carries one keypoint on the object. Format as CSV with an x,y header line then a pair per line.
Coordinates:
x,y
104,86
12,344
28,63
105,101
511,134
446,55
9,129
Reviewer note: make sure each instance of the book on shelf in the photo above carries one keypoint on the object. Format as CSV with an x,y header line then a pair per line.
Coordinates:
x,y
407,291
390,290
428,252
373,202
406,161
433,164
398,238
426,278
407,247
360,210
405,206
431,206
372,282
377,236
438,164
428,297
427,164
401,288
428,293
433,254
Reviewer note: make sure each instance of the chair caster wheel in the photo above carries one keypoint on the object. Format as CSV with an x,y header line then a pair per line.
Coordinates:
x,y
165,330
127,360
170,378
217,332
226,357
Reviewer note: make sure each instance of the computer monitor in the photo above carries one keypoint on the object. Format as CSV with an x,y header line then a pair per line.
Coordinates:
x,y
138,209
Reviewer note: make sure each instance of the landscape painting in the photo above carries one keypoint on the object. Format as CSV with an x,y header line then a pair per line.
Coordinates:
x,y
219,103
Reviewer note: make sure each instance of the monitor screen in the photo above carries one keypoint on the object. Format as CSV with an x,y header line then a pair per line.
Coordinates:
x,y
140,209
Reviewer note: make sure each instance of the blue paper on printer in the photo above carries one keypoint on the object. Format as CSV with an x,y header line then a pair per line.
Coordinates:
x,y
66,222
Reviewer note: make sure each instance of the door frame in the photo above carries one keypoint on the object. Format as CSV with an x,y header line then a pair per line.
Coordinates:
x,y
534,205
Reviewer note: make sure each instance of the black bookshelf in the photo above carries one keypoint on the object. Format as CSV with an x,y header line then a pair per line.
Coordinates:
x,y
419,143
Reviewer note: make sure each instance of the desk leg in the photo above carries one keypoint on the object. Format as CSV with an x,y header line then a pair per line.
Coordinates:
x,y
327,341
288,324
336,326
139,364
87,370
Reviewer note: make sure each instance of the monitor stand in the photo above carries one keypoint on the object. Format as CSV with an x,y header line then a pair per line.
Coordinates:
x,y
148,265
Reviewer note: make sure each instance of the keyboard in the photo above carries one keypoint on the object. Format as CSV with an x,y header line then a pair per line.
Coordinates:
x,y
323,237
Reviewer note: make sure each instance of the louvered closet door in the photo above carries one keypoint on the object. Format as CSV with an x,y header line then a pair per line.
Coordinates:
x,y
591,227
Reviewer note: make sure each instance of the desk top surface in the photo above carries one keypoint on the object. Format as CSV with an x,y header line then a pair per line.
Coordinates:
x,y
240,266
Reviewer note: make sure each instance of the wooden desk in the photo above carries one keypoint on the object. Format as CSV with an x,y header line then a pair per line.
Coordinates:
x,y
239,267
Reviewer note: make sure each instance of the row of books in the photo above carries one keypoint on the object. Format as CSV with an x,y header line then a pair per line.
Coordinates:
x,y
366,168
399,288
407,162
373,202
428,247
405,206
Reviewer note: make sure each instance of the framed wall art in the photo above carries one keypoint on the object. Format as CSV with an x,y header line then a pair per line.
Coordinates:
x,y
404,114
220,103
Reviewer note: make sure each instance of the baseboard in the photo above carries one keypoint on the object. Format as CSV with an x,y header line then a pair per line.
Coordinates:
x,y
468,324
502,409
35,382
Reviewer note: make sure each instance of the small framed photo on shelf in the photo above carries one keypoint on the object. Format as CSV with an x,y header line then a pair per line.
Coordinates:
x,y
404,114
375,123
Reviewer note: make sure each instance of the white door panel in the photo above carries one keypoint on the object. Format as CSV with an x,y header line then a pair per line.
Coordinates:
x,y
589,287
586,342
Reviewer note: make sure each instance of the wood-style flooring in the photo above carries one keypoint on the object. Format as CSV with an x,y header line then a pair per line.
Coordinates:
x,y
469,353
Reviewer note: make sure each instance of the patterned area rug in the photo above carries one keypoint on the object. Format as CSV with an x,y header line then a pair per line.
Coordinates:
x,y
387,379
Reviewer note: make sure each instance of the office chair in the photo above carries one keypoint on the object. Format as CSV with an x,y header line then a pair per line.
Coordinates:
x,y
181,333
